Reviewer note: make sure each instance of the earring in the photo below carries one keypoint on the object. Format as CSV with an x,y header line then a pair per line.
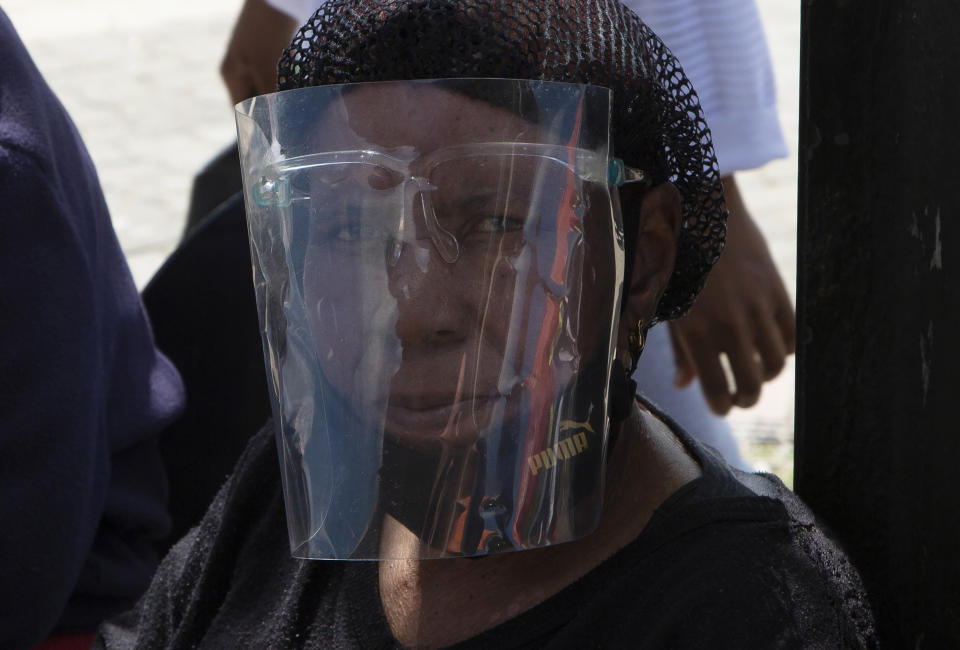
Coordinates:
x,y
637,339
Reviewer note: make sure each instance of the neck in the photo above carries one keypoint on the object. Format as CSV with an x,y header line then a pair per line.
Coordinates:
x,y
434,603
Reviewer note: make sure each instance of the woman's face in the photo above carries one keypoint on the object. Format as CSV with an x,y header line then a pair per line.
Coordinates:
x,y
459,290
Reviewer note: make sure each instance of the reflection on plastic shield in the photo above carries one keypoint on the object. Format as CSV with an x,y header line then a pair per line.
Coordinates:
x,y
436,288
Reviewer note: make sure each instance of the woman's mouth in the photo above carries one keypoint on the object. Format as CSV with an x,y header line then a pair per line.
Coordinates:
x,y
452,419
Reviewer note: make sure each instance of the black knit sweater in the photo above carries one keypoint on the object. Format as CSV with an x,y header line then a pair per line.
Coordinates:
x,y
731,560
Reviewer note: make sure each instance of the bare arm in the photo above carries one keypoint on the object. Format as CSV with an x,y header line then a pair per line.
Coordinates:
x,y
249,66
743,312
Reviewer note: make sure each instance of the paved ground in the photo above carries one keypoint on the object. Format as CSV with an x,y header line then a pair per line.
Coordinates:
x,y
141,81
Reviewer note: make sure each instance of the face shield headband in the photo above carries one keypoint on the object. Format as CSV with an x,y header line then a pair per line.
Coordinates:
x,y
438,268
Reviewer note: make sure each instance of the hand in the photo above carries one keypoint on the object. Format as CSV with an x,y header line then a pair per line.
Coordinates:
x,y
249,66
743,312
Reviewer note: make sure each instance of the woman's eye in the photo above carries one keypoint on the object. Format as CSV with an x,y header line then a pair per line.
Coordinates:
x,y
501,224
361,232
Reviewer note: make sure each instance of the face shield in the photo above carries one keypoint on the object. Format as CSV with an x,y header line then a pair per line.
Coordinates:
x,y
438,268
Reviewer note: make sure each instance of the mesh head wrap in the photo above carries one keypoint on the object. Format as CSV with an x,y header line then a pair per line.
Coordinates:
x,y
658,125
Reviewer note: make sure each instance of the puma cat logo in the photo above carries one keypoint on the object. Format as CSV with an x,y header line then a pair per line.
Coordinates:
x,y
563,450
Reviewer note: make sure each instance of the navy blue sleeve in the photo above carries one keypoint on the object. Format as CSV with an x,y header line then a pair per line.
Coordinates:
x,y
84,393
54,455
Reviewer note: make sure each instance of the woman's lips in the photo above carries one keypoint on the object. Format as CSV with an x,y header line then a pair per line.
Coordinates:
x,y
422,418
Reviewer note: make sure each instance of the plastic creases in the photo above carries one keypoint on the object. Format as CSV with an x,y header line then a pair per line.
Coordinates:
x,y
437,267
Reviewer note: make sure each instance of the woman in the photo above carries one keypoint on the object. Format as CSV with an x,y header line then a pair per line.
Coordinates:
x,y
681,369
438,260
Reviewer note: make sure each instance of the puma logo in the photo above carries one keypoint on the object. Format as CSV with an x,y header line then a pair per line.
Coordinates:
x,y
563,450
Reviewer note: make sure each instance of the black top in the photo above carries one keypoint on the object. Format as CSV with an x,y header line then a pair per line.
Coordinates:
x,y
730,560
84,392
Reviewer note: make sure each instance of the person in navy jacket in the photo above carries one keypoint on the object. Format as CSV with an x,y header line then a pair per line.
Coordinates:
x,y
84,392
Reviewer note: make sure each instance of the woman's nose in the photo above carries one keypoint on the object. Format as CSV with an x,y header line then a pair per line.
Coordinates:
x,y
433,301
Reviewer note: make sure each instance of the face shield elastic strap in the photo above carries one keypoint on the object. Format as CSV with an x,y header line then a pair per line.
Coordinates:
x,y
623,388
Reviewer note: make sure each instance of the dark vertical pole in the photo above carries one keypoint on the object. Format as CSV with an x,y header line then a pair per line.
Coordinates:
x,y
878,369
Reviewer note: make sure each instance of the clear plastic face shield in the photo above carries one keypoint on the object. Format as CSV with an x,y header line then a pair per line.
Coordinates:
x,y
437,267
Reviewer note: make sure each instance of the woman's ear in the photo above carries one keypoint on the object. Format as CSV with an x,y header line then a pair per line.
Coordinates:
x,y
655,251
